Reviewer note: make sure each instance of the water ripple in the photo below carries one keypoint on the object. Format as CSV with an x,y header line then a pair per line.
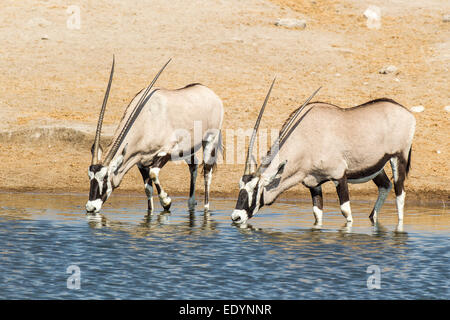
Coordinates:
x,y
124,254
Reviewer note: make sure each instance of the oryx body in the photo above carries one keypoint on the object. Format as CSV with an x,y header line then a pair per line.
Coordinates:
x,y
329,143
169,125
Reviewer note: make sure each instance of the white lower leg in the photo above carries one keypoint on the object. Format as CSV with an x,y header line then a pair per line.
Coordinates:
x,y
346,211
210,149
149,193
400,201
317,214
208,178
164,199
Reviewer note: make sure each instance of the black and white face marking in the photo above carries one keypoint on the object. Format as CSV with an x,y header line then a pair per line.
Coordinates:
x,y
249,199
101,185
100,188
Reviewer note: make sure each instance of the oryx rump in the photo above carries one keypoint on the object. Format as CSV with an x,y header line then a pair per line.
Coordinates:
x,y
159,125
321,142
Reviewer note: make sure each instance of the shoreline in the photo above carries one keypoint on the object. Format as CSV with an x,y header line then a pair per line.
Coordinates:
x,y
416,198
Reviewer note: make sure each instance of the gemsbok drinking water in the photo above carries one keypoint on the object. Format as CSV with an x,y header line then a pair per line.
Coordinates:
x,y
321,142
158,126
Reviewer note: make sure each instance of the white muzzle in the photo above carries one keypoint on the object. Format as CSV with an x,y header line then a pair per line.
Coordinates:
x,y
94,206
239,216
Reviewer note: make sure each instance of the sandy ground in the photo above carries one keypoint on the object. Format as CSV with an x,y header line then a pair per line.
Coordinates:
x,y
52,78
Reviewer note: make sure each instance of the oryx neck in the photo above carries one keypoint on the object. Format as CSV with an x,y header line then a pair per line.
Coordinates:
x,y
129,121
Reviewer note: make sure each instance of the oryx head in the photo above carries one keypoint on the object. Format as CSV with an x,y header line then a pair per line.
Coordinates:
x,y
100,185
251,185
101,173
256,179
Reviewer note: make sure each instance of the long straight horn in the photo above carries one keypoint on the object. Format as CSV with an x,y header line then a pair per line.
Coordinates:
x,y
294,117
132,117
100,117
255,130
284,133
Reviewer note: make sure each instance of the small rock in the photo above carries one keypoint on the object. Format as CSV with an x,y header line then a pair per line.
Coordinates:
x,y
373,15
291,23
388,69
418,109
438,151
446,18
44,37
447,108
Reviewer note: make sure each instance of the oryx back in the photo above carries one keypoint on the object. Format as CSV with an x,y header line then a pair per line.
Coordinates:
x,y
328,141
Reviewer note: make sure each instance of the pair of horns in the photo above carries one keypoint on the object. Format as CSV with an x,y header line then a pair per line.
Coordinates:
x,y
283,134
143,99
100,118
250,159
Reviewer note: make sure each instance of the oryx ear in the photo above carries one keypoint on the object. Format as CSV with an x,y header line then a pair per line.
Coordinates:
x,y
279,170
115,164
274,180
100,152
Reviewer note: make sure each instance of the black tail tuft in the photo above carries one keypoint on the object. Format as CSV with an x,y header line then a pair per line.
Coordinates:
x,y
408,164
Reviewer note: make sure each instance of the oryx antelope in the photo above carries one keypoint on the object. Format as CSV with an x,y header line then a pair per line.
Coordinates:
x,y
321,142
156,127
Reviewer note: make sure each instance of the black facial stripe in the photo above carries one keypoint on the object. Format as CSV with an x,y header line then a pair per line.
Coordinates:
x,y
261,200
105,188
95,168
253,205
94,190
247,178
242,202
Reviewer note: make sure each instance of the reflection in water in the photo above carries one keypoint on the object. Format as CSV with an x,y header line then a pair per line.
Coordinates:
x,y
154,222
279,254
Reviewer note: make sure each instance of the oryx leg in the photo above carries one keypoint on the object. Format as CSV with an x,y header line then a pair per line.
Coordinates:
x,y
158,163
145,172
398,165
210,149
193,168
317,199
384,186
344,199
